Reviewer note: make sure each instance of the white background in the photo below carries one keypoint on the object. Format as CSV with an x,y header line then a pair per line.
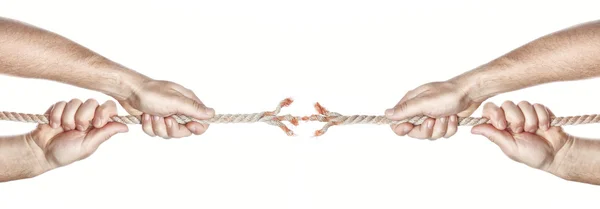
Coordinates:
x,y
355,57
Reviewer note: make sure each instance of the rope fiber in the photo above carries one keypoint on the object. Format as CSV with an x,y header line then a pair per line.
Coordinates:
x,y
273,118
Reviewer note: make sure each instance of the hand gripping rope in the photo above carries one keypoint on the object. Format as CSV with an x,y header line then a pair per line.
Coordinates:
x,y
324,115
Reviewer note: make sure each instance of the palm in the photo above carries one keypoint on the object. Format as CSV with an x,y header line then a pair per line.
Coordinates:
x,y
65,147
535,149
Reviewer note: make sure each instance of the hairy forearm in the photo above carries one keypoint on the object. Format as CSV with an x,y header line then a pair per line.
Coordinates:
x,y
18,160
31,52
578,160
570,54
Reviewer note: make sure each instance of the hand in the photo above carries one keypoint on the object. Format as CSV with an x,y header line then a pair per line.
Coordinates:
x,y
523,133
61,143
156,100
443,102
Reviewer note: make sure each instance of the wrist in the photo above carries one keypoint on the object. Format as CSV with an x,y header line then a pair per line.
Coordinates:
x,y
473,85
39,162
124,83
557,166
488,80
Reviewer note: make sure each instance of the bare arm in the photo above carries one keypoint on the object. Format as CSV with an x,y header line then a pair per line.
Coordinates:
x,y
18,160
566,55
579,161
30,52
570,54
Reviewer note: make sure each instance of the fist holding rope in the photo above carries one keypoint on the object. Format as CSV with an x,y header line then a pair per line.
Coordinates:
x,y
69,136
443,102
155,101
524,133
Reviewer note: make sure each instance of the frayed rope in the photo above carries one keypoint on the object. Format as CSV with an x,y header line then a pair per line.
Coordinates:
x,y
273,118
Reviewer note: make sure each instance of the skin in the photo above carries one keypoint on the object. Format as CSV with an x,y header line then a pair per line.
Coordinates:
x,y
540,146
31,52
47,148
566,55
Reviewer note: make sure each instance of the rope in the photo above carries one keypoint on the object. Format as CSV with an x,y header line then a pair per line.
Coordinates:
x,y
268,117
333,118
273,118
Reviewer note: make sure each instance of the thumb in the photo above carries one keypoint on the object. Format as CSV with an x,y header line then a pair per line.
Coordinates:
x,y
501,138
194,108
404,110
99,135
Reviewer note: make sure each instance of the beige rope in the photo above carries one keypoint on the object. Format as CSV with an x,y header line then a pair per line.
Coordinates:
x,y
272,118
268,117
333,118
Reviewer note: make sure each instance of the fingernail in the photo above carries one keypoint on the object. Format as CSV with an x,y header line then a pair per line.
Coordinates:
x,y
389,112
406,129
430,124
193,129
156,118
502,124
210,111
98,122
169,123
146,117
443,120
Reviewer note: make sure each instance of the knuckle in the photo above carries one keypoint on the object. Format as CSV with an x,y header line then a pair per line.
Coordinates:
x,y
489,105
91,102
197,105
507,103
496,114
61,103
75,101
401,107
523,103
110,103
428,85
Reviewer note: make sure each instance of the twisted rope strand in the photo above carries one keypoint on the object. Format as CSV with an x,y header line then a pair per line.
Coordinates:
x,y
268,117
273,118
333,118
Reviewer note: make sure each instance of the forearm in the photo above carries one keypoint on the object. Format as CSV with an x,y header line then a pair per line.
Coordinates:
x,y
578,160
18,160
566,55
30,52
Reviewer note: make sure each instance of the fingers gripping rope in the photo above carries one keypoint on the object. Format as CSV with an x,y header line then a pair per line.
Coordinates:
x,y
334,118
324,115
268,117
